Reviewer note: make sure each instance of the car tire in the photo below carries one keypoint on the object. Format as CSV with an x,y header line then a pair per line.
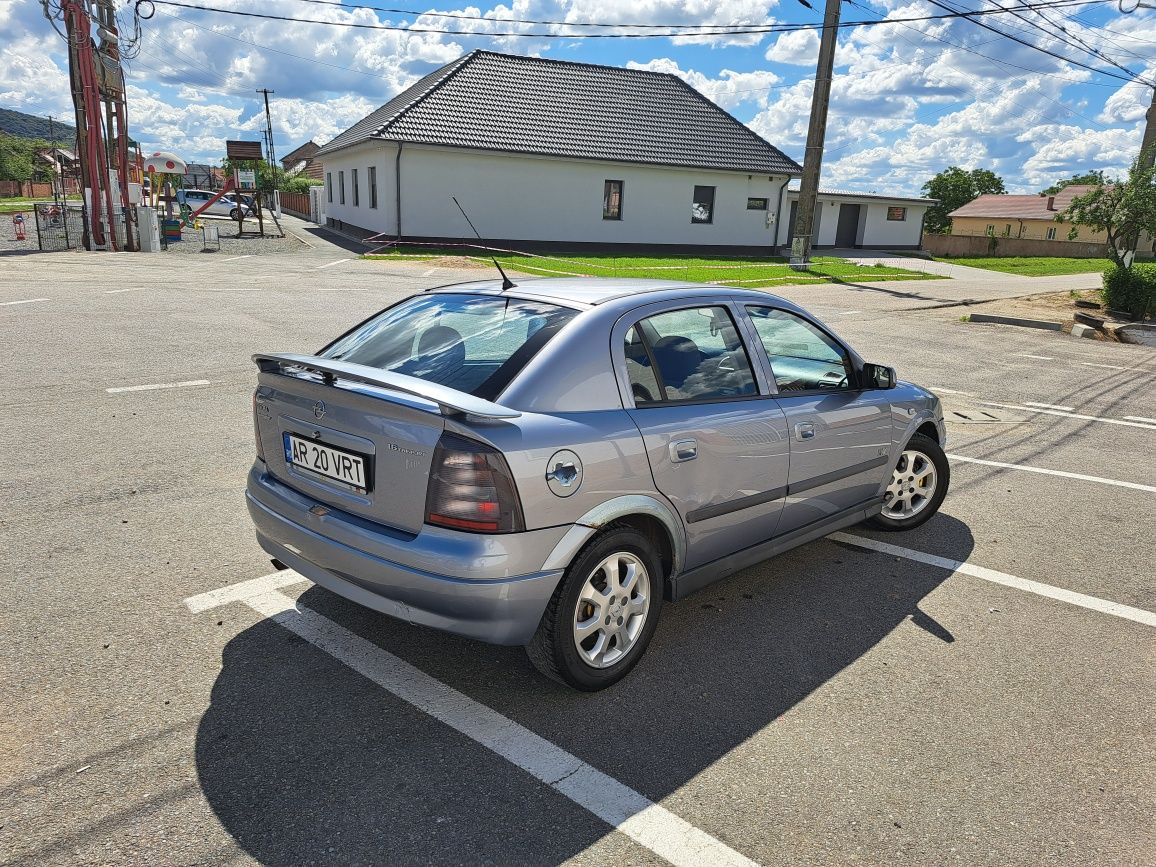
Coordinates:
x,y
612,593
918,485
235,214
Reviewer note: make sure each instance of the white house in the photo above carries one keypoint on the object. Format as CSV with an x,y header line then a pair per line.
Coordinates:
x,y
549,153
860,220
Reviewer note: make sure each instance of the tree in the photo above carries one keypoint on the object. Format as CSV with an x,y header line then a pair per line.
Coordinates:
x,y
18,157
1096,177
1120,209
953,188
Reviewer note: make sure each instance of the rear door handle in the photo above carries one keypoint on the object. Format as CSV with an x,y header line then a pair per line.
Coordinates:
x,y
683,450
804,431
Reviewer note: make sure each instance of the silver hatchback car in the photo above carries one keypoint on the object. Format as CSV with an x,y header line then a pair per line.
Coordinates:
x,y
545,464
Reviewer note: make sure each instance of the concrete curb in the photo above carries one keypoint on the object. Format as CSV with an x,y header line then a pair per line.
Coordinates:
x,y
1080,330
1015,320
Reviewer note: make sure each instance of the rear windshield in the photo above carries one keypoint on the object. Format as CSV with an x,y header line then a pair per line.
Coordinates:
x,y
476,344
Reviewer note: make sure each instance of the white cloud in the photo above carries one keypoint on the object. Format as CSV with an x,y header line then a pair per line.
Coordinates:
x,y
729,90
799,47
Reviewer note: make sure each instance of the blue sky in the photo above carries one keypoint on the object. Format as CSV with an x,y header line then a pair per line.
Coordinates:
x,y
908,100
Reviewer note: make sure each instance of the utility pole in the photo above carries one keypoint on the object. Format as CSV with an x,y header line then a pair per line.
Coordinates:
x,y
816,132
1148,144
268,125
56,169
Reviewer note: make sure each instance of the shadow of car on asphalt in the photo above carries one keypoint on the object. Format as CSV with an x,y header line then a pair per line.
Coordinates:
x,y
304,760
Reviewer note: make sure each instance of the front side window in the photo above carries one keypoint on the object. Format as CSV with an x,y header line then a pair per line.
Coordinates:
x,y
372,178
476,344
803,357
692,354
341,186
612,200
702,207
353,183
329,187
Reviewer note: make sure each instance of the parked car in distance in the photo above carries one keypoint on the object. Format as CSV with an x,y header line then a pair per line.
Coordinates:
x,y
545,464
226,206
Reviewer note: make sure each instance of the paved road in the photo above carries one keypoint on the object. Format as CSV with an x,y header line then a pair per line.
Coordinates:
x,y
840,703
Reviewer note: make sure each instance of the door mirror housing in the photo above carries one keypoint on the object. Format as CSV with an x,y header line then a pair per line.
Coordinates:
x,y
878,376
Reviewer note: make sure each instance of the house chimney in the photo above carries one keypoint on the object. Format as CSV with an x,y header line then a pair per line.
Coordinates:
x,y
1051,203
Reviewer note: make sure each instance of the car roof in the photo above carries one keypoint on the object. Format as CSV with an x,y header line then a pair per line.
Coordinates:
x,y
593,291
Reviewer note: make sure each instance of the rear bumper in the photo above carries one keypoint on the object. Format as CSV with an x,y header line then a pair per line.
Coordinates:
x,y
492,588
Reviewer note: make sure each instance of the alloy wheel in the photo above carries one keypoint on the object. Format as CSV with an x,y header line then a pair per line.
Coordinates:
x,y
912,485
611,610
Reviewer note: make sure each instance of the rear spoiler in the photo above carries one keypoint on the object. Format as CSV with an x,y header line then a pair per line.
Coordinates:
x,y
449,400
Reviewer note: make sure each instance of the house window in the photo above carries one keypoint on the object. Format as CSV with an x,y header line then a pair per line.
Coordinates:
x,y
353,183
1007,230
612,200
1051,235
991,231
341,186
372,171
702,208
897,215
756,204
329,187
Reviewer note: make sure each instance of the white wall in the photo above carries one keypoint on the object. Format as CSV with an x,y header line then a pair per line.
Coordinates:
x,y
513,196
875,230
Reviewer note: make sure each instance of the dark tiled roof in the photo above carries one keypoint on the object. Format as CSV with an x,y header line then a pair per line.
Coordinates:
x,y
1021,207
558,108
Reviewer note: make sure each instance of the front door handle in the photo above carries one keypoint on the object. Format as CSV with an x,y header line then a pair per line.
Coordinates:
x,y
683,450
804,431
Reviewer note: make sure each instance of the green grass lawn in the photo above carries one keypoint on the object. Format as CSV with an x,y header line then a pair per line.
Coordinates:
x,y
11,206
1030,266
732,271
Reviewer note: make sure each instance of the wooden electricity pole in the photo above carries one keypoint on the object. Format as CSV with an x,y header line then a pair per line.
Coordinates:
x,y
816,132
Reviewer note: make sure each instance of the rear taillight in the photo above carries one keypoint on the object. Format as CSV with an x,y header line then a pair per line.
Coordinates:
x,y
471,488
257,428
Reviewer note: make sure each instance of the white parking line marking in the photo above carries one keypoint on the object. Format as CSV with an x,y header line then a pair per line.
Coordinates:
x,y
1037,357
639,818
242,591
1093,603
330,265
1134,485
1049,406
939,388
1140,418
1071,415
1108,366
429,272
117,291
158,385
25,301
342,288
235,258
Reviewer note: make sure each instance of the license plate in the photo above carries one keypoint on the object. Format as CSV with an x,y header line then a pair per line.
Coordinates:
x,y
336,464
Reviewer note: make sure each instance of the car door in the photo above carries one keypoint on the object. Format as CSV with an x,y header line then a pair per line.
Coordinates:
x,y
717,443
840,433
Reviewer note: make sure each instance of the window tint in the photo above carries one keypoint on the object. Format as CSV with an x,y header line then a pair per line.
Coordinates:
x,y
329,187
353,186
372,178
643,383
471,343
698,354
803,358
341,186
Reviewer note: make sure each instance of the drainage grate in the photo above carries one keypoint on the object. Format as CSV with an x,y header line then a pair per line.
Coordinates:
x,y
980,415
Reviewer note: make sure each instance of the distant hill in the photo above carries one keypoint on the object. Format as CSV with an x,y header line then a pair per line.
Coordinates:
x,y
23,125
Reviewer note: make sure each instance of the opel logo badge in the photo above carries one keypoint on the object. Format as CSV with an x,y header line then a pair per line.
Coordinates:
x,y
319,409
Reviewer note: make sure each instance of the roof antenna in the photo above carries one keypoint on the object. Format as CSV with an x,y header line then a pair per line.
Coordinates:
x,y
507,283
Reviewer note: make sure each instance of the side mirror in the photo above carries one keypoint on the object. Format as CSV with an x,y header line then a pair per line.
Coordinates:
x,y
878,376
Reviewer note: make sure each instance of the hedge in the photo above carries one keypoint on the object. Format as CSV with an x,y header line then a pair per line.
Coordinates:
x,y
1132,291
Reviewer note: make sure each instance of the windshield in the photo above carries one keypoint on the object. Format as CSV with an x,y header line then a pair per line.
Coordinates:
x,y
476,344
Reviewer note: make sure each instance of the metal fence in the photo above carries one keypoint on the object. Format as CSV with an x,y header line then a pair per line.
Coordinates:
x,y
59,225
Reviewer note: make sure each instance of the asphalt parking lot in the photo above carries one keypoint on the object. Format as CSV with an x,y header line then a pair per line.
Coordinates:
x,y
980,692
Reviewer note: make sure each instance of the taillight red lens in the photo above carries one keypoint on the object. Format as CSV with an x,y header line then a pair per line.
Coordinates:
x,y
471,488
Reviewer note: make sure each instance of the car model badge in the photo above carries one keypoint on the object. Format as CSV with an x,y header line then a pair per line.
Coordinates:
x,y
319,409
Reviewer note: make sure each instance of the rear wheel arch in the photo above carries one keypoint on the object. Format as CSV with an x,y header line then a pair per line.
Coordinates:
x,y
658,535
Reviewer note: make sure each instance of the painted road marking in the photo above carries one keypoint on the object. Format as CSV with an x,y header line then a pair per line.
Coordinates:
x,y
939,388
158,385
330,265
1140,418
639,818
342,288
235,258
1071,415
1107,366
1134,485
1093,603
1037,357
1049,406
116,291
25,301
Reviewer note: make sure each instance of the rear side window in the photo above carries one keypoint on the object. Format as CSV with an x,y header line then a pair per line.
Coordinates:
x,y
476,344
693,354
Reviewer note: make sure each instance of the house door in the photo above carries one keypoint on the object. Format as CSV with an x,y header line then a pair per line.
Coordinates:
x,y
848,229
